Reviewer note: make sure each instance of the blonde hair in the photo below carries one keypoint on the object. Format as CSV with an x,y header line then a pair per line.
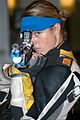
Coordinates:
x,y
43,8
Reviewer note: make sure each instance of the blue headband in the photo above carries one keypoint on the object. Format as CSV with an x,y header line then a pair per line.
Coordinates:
x,y
34,23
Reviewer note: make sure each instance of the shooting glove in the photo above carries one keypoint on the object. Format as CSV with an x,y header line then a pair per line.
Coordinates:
x,y
34,66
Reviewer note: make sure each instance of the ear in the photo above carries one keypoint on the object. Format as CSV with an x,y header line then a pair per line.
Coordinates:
x,y
57,28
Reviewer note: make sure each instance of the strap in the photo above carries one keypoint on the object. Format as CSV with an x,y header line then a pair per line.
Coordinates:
x,y
74,93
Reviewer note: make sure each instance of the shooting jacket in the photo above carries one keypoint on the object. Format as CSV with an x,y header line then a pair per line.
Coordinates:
x,y
54,83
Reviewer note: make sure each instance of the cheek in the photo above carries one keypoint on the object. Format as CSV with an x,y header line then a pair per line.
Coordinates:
x,y
46,42
46,45
49,41
46,38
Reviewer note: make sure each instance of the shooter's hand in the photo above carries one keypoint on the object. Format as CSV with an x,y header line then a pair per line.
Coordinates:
x,y
36,63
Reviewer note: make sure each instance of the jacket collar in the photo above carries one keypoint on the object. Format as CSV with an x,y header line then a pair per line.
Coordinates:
x,y
53,55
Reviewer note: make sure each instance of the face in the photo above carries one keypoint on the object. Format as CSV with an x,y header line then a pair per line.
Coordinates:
x,y
43,41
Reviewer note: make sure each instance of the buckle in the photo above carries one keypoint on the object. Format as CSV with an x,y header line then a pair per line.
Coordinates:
x,y
74,93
